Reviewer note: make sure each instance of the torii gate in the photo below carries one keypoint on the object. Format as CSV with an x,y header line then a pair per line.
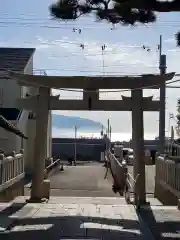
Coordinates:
x,y
43,102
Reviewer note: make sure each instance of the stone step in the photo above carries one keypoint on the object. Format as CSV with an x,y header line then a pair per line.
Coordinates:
x,y
163,221
10,212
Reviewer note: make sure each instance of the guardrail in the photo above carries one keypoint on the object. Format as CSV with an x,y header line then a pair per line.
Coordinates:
x,y
118,172
167,181
11,169
52,167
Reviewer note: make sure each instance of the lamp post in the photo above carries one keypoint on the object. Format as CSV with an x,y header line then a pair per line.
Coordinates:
x,y
75,145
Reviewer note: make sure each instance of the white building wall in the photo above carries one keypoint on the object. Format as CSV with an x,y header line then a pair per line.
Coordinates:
x,y
10,91
8,141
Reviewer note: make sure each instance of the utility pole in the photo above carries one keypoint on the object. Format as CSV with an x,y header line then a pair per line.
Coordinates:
x,y
110,131
103,47
108,125
162,114
102,131
75,144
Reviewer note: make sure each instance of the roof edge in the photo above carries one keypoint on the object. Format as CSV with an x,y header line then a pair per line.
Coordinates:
x,y
33,51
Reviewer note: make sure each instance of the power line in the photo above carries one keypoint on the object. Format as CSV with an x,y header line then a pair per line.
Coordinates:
x,y
79,21
67,26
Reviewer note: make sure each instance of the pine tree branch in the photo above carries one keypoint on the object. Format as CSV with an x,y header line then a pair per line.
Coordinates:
x,y
127,12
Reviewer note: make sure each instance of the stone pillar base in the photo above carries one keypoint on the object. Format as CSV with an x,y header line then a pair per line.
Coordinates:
x,y
36,200
45,193
178,204
46,189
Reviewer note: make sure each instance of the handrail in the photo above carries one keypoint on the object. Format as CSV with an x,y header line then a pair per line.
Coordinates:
x,y
130,186
124,182
51,166
19,115
11,169
118,172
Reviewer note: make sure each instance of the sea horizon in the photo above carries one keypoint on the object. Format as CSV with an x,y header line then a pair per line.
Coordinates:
x,y
88,133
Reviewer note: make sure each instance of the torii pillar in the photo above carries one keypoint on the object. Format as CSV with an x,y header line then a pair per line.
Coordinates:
x,y
138,146
42,117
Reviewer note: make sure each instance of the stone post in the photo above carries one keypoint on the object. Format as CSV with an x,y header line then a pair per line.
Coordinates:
x,y
42,115
138,146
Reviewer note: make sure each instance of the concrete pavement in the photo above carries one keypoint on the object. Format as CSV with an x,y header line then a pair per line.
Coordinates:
x,y
86,180
76,218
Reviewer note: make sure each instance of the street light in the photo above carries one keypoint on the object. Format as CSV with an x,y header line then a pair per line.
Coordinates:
x,y
75,145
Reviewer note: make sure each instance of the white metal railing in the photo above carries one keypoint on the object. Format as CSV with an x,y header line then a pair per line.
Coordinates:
x,y
11,169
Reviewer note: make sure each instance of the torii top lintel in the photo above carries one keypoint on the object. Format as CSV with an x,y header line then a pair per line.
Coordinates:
x,y
93,82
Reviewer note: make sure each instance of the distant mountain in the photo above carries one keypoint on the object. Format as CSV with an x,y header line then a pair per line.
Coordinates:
x,y
61,121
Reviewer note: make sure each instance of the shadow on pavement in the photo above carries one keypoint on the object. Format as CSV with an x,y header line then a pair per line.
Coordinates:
x,y
163,223
73,227
12,209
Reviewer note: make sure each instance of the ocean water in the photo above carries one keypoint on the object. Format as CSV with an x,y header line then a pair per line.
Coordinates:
x,y
69,133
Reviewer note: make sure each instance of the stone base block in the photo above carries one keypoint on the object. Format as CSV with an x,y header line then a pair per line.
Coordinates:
x,y
46,189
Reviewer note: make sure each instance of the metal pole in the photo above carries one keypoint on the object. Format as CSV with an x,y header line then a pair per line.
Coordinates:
x,y
160,48
103,48
108,128
162,113
75,144
108,134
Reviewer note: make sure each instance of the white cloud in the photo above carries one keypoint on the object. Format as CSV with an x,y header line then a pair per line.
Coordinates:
x,y
117,57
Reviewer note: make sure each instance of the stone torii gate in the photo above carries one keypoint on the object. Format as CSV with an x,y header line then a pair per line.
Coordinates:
x,y
43,102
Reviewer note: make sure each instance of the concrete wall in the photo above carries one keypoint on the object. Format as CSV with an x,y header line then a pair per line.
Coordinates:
x,y
29,70
9,92
10,89
10,142
87,149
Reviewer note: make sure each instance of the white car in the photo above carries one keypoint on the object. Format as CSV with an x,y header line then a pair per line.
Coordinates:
x,y
128,155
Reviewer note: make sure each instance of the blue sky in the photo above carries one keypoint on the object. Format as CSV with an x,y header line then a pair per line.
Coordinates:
x,y
58,51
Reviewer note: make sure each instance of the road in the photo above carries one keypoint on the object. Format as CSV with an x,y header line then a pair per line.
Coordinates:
x,y
86,180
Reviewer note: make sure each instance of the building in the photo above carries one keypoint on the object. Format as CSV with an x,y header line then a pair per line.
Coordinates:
x,y
18,60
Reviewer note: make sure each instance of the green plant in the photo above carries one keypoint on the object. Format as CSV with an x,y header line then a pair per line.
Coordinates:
x,y
126,12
